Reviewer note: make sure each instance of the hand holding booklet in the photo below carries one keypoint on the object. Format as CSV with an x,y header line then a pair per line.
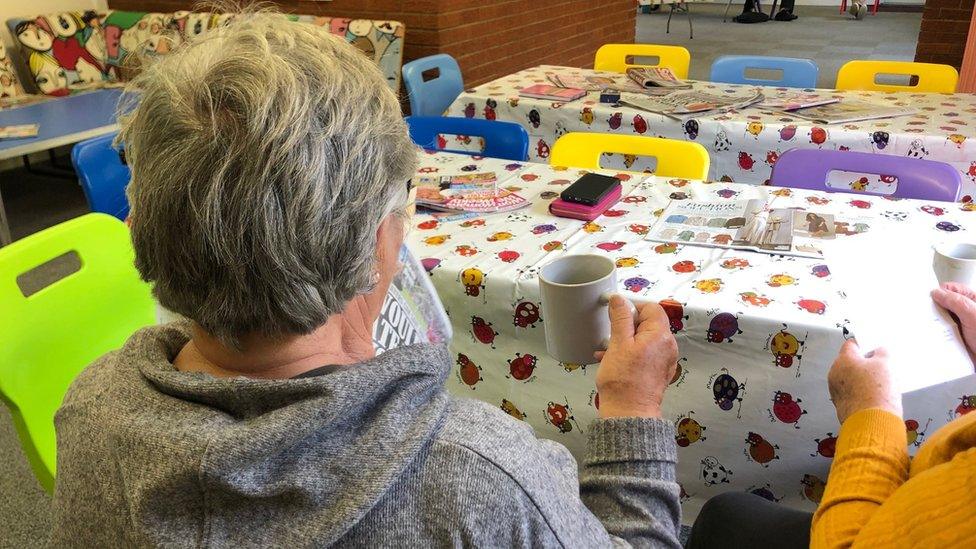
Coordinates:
x,y
887,277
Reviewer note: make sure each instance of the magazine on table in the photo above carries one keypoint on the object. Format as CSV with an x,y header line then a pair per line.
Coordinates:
x,y
656,77
552,93
850,111
796,101
683,103
744,225
473,192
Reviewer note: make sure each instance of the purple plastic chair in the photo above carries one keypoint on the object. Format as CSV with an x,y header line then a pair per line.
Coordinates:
x,y
919,179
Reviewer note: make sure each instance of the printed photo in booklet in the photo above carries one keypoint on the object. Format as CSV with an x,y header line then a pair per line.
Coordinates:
x,y
747,225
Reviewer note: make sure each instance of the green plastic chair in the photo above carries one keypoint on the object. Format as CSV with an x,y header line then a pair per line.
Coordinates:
x,y
48,338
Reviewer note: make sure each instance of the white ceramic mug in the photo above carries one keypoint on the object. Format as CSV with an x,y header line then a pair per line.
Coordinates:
x,y
955,262
575,292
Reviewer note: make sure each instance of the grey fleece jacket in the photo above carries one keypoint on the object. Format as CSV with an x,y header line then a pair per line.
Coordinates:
x,y
375,454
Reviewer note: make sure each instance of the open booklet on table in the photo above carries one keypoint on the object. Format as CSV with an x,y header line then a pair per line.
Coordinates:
x,y
746,225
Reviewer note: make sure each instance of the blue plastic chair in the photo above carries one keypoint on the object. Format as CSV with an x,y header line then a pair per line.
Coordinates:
x,y
502,139
919,179
797,73
102,174
432,96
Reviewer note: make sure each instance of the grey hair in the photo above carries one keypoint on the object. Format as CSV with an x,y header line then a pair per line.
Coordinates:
x,y
264,156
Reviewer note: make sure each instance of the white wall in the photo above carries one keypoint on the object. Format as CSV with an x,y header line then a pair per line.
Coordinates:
x,y
16,8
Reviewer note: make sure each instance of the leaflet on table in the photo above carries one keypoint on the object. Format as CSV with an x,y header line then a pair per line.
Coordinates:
x,y
746,225
887,276
552,93
22,100
850,111
18,132
796,101
656,77
678,104
473,192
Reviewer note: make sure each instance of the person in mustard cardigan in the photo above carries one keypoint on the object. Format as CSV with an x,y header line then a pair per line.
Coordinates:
x,y
875,496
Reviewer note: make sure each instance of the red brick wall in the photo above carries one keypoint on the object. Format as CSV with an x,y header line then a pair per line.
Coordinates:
x,y
489,38
942,37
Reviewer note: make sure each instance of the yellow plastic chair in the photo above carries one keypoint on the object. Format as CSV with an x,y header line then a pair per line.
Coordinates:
x,y
46,339
932,77
683,159
613,57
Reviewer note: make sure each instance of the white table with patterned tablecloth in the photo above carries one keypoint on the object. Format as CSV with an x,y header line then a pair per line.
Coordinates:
x,y
743,145
757,333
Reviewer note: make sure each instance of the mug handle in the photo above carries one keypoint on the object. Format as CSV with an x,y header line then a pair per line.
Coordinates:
x,y
605,300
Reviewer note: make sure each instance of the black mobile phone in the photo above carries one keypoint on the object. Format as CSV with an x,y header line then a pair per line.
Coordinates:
x,y
589,189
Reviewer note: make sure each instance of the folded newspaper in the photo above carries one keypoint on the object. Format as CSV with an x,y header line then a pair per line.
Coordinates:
x,y
656,77
473,192
797,101
850,111
680,104
746,225
588,83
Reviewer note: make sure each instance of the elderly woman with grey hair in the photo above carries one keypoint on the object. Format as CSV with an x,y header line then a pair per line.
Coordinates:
x,y
269,167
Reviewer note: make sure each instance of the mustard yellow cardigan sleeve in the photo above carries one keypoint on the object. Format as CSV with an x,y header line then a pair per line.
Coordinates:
x,y
870,463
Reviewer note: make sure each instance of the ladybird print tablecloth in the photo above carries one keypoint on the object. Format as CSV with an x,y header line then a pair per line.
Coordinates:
x,y
757,333
743,145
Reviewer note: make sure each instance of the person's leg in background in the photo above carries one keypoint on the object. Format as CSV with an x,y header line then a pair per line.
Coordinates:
x,y
740,519
785,12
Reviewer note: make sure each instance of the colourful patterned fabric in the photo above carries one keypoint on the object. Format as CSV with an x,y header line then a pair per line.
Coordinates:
x,y
757,333
381,40
73,50
745,144
9,86
63,51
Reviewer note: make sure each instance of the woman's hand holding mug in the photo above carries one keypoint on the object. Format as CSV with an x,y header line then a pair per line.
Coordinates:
x,y
639,362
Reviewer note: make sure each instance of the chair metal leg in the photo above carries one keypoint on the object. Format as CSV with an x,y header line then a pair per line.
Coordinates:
x,y
54,171
691,30
727,6
670,13
4,227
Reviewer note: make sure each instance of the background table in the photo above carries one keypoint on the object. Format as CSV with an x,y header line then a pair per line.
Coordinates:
x,y
735,307
61,121
743,145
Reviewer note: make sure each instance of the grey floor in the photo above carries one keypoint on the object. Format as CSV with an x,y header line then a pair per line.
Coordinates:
x,y
820,33
34,202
